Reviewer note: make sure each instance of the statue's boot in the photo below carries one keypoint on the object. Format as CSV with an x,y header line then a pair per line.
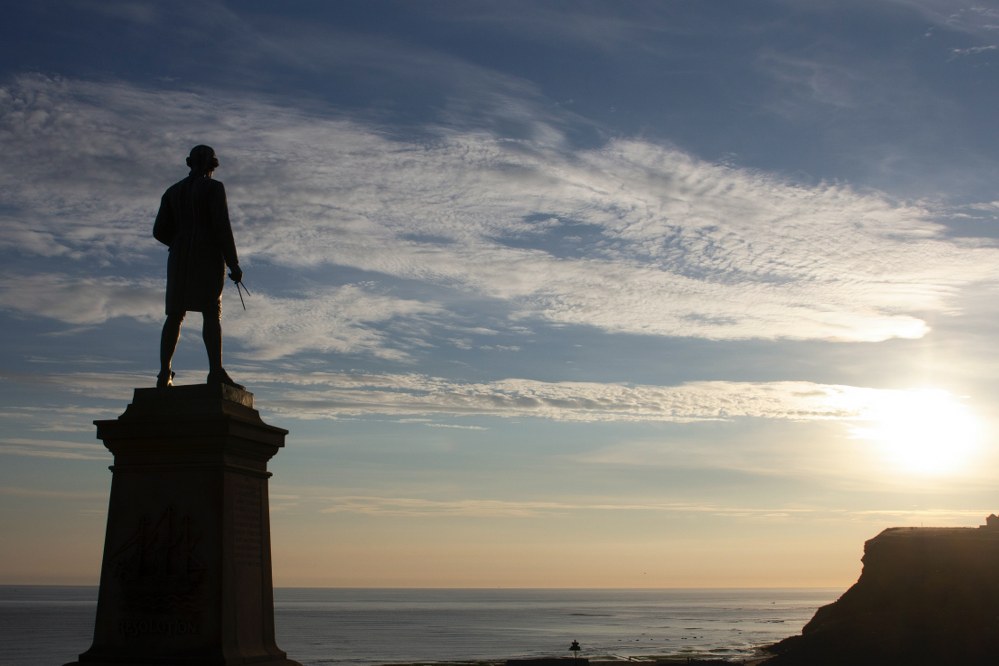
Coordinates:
x,y
220,376
165,378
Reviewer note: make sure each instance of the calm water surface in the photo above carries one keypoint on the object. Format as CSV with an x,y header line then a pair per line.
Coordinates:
x,y
52,625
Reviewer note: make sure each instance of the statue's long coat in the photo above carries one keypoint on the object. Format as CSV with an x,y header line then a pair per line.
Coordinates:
x,y
194,221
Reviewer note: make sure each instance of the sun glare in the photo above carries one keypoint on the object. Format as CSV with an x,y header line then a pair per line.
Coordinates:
x,y
922,431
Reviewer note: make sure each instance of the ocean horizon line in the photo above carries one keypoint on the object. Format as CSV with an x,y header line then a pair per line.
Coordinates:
x,y
487,587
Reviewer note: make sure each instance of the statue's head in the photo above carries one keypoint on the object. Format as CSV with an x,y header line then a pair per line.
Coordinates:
x,y
202,159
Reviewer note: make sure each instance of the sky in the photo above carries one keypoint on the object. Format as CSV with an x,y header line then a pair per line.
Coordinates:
x,y
548,294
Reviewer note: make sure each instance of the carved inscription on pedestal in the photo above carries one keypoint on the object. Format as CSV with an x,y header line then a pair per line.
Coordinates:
x,y
246,524
161,577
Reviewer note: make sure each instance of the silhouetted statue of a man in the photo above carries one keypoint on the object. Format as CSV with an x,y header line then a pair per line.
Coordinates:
x,y
193,221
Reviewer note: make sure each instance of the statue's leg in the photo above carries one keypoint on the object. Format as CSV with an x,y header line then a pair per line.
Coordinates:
x,y
212,333
168,345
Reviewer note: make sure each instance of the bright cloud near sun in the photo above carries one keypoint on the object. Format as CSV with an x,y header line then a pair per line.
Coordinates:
x,y
921,431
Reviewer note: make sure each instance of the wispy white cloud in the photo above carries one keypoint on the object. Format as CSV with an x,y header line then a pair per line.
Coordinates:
x,y
376,506
414,507
308,395
974,50
676,246
589,25
97,384
311,395
344,320
81,300
339,319
489,508
67,419
816,81
978,19
48,448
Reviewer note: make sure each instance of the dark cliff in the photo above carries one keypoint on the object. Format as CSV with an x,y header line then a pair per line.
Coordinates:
x,y
925,596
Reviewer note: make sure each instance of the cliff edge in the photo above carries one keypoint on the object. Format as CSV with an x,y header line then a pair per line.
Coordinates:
x,y
925,596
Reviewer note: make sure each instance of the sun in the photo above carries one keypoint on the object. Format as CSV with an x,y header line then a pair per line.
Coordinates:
x,y
922,431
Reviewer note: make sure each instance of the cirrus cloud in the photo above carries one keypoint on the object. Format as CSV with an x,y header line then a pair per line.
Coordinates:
x,y
629,237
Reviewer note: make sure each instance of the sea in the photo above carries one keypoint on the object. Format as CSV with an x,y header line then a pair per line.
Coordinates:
x,y
50,626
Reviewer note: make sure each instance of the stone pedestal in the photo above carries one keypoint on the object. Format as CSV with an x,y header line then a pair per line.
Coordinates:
x,y
186,577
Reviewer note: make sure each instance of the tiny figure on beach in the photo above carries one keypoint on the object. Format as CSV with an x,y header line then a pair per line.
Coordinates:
x,y
193,221
574,648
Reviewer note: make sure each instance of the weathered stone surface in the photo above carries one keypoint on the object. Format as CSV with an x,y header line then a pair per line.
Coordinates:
x,y
925,596
186,576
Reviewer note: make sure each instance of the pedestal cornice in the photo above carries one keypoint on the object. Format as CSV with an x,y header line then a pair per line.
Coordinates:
x,y
198,422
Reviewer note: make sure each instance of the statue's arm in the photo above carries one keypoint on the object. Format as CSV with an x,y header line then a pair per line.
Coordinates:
x,y
222,227
165,227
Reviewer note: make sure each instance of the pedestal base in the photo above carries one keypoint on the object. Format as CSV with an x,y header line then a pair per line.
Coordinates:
x,y
186,576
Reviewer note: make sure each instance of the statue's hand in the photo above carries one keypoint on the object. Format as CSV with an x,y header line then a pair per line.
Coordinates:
x,y
236,274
